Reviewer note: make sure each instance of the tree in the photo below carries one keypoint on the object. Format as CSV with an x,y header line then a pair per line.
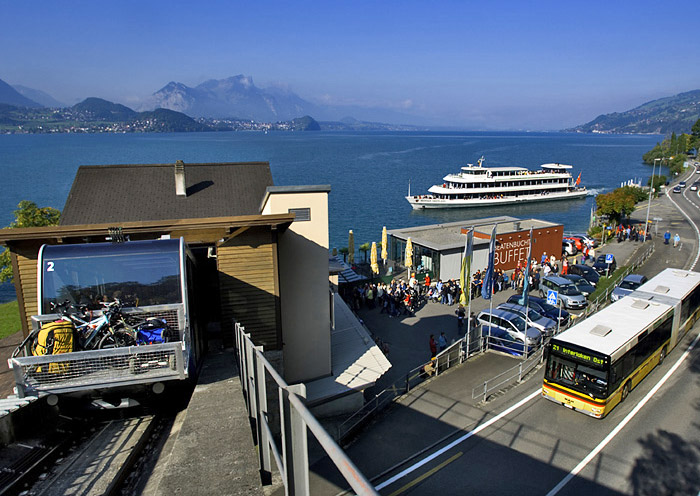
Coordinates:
x,y
364,248
344,251
27,215
619,203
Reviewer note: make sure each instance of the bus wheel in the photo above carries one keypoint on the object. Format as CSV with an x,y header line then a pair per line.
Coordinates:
x,y
662,355
625,392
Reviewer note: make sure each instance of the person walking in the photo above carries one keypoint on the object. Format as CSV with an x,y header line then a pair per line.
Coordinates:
x,y
667,236
433,346
676,240
460,316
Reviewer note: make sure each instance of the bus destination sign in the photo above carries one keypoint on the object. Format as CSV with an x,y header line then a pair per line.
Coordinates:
x,y
578,355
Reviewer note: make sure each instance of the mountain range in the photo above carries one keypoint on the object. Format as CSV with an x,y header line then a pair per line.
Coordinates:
x,y
676,114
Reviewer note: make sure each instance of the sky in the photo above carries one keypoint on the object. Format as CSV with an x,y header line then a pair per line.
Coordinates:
x,y
530,65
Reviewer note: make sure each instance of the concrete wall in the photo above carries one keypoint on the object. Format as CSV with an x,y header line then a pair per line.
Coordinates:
x,y
450,265
304,302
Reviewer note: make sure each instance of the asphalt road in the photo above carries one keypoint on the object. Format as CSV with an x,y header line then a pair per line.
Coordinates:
x,y
440,441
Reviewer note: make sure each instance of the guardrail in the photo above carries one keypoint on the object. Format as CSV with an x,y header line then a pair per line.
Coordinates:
x,y
455,354
507,376
291,458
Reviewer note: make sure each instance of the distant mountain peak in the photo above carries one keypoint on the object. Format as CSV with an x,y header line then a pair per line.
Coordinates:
x,y
11,96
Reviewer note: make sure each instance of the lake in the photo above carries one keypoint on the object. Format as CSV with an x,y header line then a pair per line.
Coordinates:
x,y
369,172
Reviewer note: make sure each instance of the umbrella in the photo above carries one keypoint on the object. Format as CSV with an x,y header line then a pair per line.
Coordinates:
x,y
409,254
351,247
373,258
385,255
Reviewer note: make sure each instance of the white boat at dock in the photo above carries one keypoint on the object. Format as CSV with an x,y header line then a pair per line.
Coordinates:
x,y
479,186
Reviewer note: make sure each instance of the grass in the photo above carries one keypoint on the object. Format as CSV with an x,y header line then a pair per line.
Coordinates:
x,y
9,319
606,282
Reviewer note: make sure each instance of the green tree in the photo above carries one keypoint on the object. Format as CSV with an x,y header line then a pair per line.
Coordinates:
x,y
619,203
658,181
27,215
344,251
364,248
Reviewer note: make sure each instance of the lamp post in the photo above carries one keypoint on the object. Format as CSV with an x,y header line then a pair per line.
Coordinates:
x,y
651,190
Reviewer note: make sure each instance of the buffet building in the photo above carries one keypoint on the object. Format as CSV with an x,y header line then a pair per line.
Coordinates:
x,y
439,248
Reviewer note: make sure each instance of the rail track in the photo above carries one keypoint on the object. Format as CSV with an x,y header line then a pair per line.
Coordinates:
x,y
93,452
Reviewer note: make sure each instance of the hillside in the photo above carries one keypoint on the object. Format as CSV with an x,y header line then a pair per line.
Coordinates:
x,y
11,96
663,116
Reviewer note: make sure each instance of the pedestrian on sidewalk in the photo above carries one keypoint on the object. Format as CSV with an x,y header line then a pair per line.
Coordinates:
x,y
442,342
433,346
460,316
676,240
667,236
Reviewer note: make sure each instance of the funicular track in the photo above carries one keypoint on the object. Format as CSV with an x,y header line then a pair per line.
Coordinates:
x,y
89,452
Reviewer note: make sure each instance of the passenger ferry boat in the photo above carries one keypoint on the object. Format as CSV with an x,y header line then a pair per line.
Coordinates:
x,y
479,186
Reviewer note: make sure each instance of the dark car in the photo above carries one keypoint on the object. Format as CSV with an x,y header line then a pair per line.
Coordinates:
x,y
588,273
581,284
677,189
541,306
601,267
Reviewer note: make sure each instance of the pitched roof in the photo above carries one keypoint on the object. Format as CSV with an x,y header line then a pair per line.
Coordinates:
x,y
146,192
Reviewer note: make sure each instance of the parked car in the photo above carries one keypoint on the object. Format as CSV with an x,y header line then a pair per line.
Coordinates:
x,y
589,240
513,325
568,248
569,296
499,339
578,242
534,319
677,189
588,273
627,286
544,308
601,267
581,284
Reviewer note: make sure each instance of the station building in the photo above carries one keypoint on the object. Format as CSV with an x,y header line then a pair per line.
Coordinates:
x,y
439,248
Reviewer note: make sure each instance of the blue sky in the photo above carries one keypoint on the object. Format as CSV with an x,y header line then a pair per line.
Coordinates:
x,y
507,65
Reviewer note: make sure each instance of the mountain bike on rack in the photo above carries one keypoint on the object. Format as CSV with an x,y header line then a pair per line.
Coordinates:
x,y
103,332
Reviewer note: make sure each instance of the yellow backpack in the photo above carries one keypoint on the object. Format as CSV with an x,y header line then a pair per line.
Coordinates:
x,y
55,338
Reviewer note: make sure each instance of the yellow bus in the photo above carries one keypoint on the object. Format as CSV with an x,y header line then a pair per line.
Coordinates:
x,y
594,365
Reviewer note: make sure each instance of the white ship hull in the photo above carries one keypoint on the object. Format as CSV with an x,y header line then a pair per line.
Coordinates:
x,y
419,202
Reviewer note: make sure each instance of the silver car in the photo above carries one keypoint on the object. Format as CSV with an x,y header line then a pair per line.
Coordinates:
x,y
534,319
569,296
627,286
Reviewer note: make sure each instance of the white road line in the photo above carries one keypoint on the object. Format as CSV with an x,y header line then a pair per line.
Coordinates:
x,y
454,443
623,423
697,232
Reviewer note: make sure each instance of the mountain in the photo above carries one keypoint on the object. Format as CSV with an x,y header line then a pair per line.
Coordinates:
x,y
39,96
234,97
169,121
663,116
11,96
102,110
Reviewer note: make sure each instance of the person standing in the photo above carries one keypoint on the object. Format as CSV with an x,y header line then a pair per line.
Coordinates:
x,y
667,236
676,240
460,316
433,346
442,342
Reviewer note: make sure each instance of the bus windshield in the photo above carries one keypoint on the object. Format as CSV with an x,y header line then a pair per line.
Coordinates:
x,y
577,376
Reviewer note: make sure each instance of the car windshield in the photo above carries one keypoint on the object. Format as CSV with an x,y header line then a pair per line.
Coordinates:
x,y
518,322
629,285
533,315
568,290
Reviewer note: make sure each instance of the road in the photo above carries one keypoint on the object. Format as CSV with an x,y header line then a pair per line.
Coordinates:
x,y
522,444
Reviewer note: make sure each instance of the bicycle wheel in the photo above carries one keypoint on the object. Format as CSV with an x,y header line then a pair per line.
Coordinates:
x,y
116,339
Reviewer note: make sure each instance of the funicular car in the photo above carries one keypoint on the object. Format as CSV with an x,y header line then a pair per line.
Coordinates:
x,y
152,279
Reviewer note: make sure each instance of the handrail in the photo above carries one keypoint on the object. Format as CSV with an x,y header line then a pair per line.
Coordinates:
x,y
295,418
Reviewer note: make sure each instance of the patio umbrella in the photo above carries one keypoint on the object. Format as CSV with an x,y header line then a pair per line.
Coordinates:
x,y
351,247
409,254
373,258
385,255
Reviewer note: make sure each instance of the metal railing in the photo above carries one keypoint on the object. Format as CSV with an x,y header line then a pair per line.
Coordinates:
x,y
509,375
453,355
291,458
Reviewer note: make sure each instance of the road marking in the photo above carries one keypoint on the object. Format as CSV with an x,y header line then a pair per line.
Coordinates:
x,y
426,475
454,443
623,423
697,232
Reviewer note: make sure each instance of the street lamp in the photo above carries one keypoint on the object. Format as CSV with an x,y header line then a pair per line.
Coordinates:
x,y
651,190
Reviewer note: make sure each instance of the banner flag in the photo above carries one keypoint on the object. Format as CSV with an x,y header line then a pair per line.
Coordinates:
x,y
465,277
487,287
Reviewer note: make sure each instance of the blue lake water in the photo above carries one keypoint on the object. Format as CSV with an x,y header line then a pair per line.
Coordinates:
x,y
369,173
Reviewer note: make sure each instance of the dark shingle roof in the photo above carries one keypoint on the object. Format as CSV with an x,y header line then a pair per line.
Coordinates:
x,y
123,193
